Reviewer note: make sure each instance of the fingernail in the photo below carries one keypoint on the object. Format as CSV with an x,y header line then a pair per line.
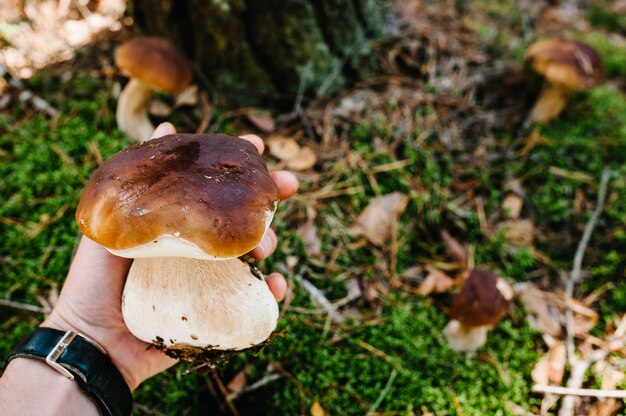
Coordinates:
x,y
265,246
161,130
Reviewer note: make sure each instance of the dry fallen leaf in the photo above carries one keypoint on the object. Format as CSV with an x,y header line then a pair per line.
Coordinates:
x,y
551,367
541,371
455,250
317,410
413,273
380,215
289,151
159,108
611,377
608,407
305,159
512,205
543,315
354,289
312,243
188,96
583,324
435,282
505,288
283,148
238,382
264,122
546,311
519,232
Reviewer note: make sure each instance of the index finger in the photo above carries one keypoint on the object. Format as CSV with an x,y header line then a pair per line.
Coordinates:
x,y
256,141
285,181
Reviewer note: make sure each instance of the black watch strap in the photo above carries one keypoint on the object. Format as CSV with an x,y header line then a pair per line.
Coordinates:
x,y
75,356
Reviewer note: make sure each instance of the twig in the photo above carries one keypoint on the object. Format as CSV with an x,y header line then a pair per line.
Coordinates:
x,y
224,391
621,328
256,385
577,376
580,367
381,354
575,275
568,391
580,251
147,410
318,297
384,392
24,306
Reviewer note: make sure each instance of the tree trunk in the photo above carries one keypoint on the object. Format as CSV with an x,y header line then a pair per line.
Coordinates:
x,y
258,50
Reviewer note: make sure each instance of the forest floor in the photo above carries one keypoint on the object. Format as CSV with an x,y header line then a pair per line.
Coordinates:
x,y
409,179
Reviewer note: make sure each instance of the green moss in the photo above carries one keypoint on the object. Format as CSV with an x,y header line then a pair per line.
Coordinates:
x,y
43,170
348,378
395,347
589,136
600,15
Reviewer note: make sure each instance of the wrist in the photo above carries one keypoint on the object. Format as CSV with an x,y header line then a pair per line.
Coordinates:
x,y
102,339
57,394
77,359
24,379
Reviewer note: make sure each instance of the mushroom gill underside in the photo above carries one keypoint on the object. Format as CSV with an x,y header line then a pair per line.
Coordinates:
x,y
198,310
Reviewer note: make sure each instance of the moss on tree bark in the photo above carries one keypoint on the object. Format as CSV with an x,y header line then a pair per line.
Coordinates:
x,y
254,50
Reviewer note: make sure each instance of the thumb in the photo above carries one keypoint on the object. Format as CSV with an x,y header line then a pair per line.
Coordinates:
x,y
163,129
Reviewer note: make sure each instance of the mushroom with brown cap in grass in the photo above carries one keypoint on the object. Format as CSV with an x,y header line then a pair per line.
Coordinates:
x,y
566,66
153,64
186,207
480,304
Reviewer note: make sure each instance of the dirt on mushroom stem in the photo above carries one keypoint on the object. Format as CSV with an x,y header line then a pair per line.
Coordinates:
x,y
205,357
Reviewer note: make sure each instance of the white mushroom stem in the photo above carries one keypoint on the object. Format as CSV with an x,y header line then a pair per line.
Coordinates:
x,y
132,111
464,338
184,303
549,105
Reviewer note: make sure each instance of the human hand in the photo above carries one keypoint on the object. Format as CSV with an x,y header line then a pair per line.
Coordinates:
x,y
90,302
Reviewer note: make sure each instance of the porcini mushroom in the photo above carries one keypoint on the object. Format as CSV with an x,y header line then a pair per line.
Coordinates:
x,y
185,206
154,64
566,66
480,304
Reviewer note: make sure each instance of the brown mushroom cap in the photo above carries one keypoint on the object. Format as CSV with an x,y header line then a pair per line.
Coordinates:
x,y
479,302
212,191
569,64
156,62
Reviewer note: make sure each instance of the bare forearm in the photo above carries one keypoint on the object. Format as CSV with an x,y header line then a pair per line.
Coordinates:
x,y
31,387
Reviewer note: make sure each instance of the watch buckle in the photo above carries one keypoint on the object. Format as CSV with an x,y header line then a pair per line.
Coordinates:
x,y
56,352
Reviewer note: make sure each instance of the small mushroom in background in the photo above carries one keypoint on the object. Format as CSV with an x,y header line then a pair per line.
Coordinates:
x,y
566,66
480,304
185,207
153,64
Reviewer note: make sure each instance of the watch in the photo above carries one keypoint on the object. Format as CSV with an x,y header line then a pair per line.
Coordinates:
x,y
81,359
